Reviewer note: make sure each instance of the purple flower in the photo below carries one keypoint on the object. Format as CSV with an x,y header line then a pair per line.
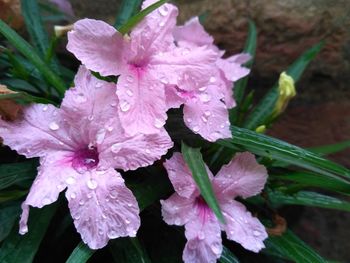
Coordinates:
x,y
243,177
79,146
147,62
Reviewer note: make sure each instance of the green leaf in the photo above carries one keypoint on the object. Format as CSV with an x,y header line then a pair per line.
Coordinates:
x,y
306,198
263,110
32,18
308,179
227,256
80,254
289,246
194,160
331,148
128,250
250,48
26,50
126,10
17,248
133,21
14,173
272,148
9,214
11,195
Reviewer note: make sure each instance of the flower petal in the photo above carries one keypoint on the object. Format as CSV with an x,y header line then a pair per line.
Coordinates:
x,y
102,207
172,97
232,70
208,115
242,227
177,210
99,46
154,33
131,152
180,176
141,102
54,173
204,244
40,130
192,33
243,176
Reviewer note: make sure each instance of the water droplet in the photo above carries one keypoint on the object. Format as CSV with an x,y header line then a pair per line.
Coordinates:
x,y
115,147
204,118
46,201
114,103
129,78
164,80
91,117
158,123
124,106
113,194
54,126
129,204
162,23
100,232
202,88
212,79
189,120
256,233
196,129
207,113
163,10
112,234
76,217
148,151
222,126
23,230
80,98
60,187
216,248
215,135
45,108
92,184
127,221
177,221
70,180
60,143
104,216
129,92
100,136
73,195
205,97
201,235
98,85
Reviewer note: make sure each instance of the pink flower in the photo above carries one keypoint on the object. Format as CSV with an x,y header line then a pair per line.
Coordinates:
x,y
79,146
206,108
243,177
147,62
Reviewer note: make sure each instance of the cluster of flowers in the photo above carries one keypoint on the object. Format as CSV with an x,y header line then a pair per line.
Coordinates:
x,y
103,126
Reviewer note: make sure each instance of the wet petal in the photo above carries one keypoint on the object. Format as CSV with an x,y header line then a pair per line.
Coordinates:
x,y
103,208
142,106
243,176
40,130
99,46
242,227
177,210
208,115
204,244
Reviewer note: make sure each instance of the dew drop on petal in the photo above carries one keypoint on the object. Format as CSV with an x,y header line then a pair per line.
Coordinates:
x,y
129,92
207,113
46,201
196,129
113,104
91,117
113,194
23,230
127,221
216,248
256,233
80,98
202,88
189,120
148,151
163,10
54,126
205,97
177,221
129,78
91,184
98,85
115,147
70,180
112,234
73,195
201,235
212,79
124,106
45,108
164,80
158,123
204,118
162,23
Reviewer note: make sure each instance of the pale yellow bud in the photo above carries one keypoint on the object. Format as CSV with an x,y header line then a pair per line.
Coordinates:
x,y
286,91
62,30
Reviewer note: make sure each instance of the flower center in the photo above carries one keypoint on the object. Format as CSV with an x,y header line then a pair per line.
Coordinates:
x,y
204,212
85,159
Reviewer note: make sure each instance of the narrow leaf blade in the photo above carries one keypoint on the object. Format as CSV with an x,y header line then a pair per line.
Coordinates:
x,y
80,254
126,10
